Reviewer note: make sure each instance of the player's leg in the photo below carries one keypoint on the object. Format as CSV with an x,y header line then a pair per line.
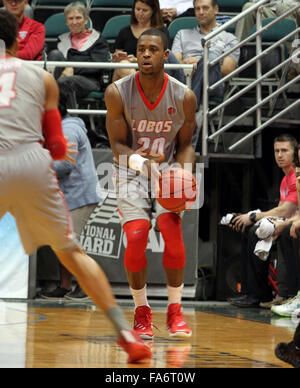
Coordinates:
x,y
136,268
95,284
174,263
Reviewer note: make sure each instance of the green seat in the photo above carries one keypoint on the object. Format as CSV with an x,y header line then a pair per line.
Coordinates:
x,y
182,23
231,6
278,31
95,96
113,26
49,3
112,3
43,9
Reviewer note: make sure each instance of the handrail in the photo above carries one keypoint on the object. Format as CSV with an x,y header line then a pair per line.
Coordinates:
x,y
246,89
206,41
50,65
251,110
263,126
253,60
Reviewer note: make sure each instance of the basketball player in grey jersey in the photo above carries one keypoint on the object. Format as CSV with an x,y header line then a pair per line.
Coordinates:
x,y
151,118
28,186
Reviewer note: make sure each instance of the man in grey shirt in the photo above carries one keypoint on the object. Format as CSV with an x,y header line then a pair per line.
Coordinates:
x,y
271,10
188,49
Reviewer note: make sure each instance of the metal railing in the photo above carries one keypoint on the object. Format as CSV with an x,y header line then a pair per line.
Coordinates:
x,y
50,66
250,83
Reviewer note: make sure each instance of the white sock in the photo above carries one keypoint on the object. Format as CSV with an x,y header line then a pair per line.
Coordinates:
x,y
140,296
174,294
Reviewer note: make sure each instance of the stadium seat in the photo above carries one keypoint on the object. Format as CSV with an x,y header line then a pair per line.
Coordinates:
x,y
231,7
187,22
113,26
112,3
102,10
278,31
42,9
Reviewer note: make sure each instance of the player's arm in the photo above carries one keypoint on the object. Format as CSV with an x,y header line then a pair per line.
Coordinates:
x,y
116,124
185,151
117,129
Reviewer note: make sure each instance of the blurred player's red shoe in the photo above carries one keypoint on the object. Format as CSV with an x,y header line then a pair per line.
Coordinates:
x,y
175,322
133,345
143,322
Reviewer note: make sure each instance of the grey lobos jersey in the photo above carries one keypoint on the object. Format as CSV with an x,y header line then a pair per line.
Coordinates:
x,y
22,97
154,127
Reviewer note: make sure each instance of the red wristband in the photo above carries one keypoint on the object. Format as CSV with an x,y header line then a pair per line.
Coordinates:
x,y
53,133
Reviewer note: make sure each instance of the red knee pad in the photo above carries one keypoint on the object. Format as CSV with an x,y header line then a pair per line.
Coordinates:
x,y
170,228
137,238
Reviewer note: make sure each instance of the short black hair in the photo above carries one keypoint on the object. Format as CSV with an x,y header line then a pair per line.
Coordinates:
x,y
286,137
156,32
63,102
8,28
214,3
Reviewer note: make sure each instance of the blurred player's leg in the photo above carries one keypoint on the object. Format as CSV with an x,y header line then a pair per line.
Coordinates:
x,y
94,282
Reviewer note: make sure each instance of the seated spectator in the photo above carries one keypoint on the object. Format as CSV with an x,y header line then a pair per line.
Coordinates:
x,y
79,185
171,9
290,352
187,46
272,10
145,14
31,34
255,286
79,45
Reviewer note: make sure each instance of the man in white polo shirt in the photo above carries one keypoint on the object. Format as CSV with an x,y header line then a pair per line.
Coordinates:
x,y
171,9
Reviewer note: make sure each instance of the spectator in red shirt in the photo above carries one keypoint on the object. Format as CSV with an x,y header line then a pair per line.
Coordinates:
x,y
254,270
31,33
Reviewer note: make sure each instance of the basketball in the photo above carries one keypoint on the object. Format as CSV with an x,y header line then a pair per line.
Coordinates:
x,y
177,189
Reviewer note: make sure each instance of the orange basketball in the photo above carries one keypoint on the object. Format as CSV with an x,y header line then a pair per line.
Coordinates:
x,y
177,189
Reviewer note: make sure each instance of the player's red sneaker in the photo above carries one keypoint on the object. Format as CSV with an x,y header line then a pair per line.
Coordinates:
x,y
143,322
175,322
133,345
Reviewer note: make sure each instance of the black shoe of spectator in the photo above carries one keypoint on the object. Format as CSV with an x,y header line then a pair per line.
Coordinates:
x,y
237,297
288,353
247,301
58,292
77,294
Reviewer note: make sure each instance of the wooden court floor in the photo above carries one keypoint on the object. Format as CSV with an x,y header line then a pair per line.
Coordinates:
x,y
38,334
